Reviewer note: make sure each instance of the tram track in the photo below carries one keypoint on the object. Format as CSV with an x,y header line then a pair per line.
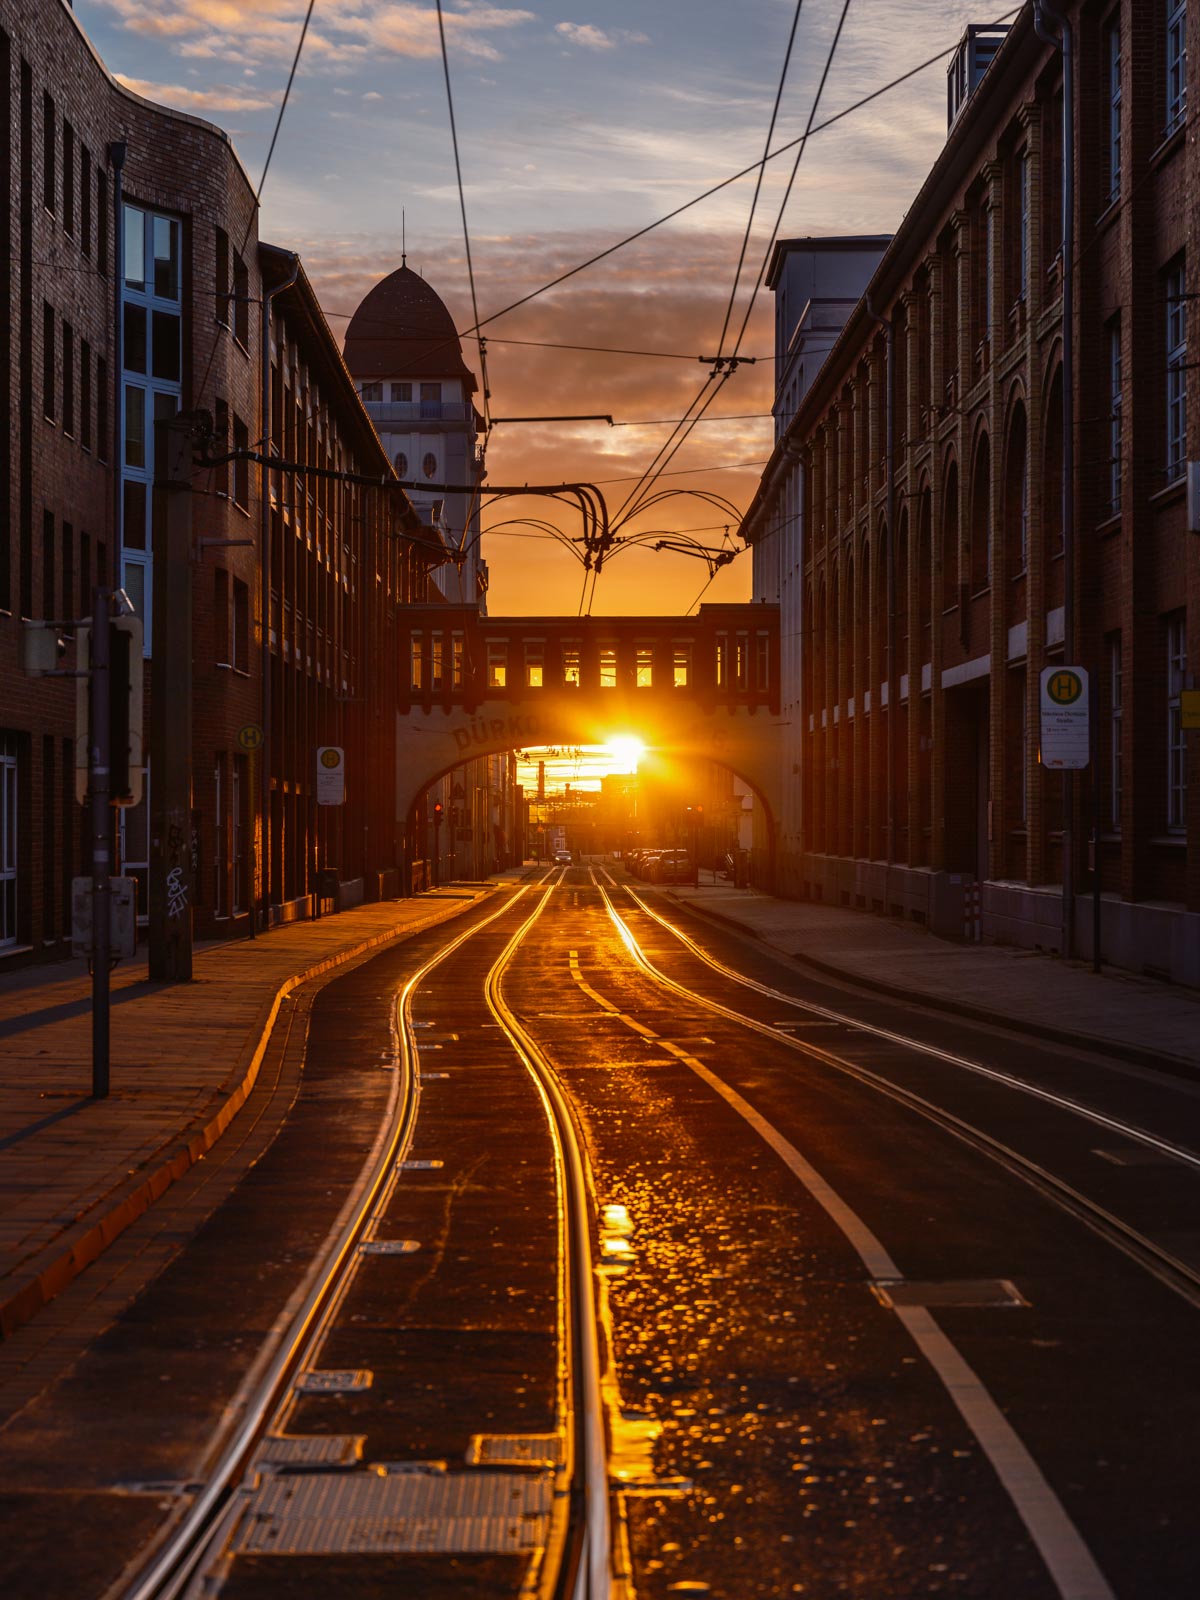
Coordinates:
x,y
1162,1263
195,1546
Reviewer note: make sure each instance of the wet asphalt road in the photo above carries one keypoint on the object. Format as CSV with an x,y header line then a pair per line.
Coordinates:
x,y
781,1432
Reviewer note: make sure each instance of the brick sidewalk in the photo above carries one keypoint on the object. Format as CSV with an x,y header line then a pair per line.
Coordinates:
x,y
75,1172
1138,1019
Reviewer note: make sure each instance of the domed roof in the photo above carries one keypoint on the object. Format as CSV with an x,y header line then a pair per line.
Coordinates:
x,y
403,329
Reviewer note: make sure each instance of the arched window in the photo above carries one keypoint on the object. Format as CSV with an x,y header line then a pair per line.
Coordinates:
x,y
429,465
981,517
901,663
1016,498
950,539
401,464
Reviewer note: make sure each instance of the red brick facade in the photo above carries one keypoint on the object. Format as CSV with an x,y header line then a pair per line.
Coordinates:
x,y
919,768
344,555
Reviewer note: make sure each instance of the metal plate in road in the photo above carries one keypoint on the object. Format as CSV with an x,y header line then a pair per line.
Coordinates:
x,y
493,1513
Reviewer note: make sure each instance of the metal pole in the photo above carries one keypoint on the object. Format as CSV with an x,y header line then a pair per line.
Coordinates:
x,y
100,768
1094,730
1065,42
171,887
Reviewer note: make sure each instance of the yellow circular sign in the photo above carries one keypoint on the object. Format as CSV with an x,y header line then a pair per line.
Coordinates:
x,y
331,757
1065,687
249,736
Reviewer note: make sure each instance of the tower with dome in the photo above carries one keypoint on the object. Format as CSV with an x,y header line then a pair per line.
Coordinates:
x,y
406,359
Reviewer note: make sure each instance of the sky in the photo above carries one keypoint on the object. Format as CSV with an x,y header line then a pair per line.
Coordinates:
x,y
577,126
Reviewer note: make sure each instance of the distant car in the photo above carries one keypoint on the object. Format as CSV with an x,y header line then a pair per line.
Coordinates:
x,y
562,858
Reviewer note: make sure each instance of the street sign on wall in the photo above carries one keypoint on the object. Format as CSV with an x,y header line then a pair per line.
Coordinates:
x,y
331,775
1064,741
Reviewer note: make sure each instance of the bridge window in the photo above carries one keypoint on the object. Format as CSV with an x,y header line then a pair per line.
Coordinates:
x,y
497,666
438,661
741,662
570,662
645,667
608,666
533,666
722,661
417,660
762,661
682,671
457,660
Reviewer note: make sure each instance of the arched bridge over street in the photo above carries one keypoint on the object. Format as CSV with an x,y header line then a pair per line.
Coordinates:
x,y
702,688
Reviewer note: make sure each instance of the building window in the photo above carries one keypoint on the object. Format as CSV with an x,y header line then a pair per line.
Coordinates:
x,y
534,667
240,637
102,220
48,361
722,661
151,390
68,380
68,187
762,662
1112,139
221,278
429,464
457,660
401,393
571,667
681,667
371,392
1176,302
437,661
223,652
9,840
988,230
49,146
1115,698
85,394
241,302
497,658
85,200
1115,415
608,666
431,399
241,467
401,464
1176,64
644,667
416,659
1176,738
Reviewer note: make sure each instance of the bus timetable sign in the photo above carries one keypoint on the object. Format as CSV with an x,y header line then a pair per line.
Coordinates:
x,y
1064,719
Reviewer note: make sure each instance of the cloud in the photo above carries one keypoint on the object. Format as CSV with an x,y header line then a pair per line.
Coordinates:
x,y
217,98
372,94
584,34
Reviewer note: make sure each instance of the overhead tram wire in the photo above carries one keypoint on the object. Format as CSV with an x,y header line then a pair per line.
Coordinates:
x,y
716,188
462,205
283,105
665,456
758,182
787,194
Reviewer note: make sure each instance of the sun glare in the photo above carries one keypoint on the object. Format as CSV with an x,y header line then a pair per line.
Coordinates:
x,y
625,753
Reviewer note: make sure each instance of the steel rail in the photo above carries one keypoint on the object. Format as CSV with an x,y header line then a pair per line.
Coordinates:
x,y
1153,1258
582,1566
171,1567
1009,1080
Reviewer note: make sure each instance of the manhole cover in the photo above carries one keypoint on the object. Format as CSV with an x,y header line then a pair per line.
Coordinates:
x,y
349,1381
388,1247
953,1292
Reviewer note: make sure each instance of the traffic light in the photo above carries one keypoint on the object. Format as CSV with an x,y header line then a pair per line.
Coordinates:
x,y
125,675
437,813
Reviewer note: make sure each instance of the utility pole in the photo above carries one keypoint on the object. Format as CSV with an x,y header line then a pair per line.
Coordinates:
x,y
171,887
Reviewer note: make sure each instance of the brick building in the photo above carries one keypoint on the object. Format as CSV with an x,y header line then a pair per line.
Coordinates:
x,y
134,292
915,503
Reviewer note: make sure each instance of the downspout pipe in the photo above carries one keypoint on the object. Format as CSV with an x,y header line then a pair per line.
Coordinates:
x,y
889,383
268,296
1045,20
